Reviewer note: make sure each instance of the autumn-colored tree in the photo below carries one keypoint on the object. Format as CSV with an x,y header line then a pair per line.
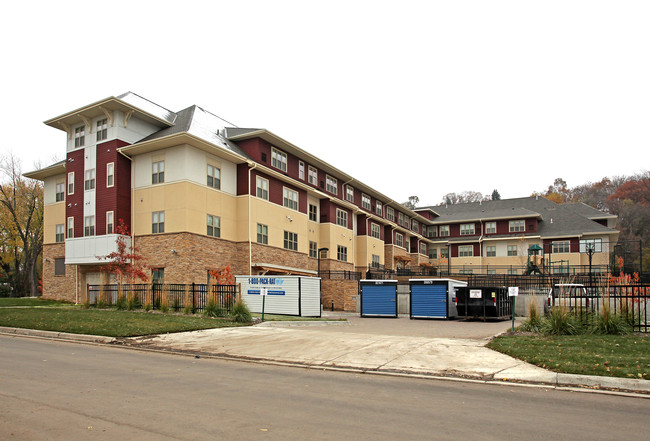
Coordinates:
x,y
21,227
126,263
223,276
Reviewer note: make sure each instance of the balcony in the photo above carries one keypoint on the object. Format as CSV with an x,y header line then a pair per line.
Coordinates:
x,y
89,250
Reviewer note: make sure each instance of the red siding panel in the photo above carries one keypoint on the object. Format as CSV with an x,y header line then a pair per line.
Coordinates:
x,y
75,202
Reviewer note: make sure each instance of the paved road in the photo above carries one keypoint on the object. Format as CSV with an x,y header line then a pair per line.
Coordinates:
x,y
62,391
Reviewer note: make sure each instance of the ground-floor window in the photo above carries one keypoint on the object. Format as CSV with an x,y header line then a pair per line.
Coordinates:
x,y
342,253
291,241
59,266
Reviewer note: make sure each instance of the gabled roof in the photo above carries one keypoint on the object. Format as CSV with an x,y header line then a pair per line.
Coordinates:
x,y
555,220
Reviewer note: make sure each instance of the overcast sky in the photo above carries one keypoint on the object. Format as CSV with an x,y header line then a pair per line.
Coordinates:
x,y
412,98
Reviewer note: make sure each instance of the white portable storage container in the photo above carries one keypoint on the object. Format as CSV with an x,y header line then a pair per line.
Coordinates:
x,y
285,295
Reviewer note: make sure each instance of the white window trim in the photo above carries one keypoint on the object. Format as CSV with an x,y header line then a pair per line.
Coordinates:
x,y
279,159
70,222
349,193
314,177
110,165
366,201
341,215
111,215
301,170
70,183
333,183
285,193
258,180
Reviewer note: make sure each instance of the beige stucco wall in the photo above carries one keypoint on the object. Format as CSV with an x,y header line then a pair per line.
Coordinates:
x,y
53,215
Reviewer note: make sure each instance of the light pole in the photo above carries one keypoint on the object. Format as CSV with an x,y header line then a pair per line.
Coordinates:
x,y
591,249
320,282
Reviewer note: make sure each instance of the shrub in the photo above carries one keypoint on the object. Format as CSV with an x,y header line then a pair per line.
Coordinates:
x,y
534,322
240,312
99,302
86,303
164,304
560,321
214,308
147,306
121,302
607,322
132,302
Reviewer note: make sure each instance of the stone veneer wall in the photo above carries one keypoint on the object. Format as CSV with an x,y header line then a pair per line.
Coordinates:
x,y
343,292
57,287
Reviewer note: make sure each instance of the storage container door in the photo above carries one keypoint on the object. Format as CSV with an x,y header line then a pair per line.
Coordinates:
x,y
429,301
379,300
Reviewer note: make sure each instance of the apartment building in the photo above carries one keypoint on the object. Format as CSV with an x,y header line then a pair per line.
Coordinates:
x,y
198,193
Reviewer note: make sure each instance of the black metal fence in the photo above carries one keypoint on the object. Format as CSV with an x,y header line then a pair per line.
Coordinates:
x,y
174,296
340,275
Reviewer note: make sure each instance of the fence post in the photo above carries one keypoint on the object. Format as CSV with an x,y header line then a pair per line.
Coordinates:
x,y
193,298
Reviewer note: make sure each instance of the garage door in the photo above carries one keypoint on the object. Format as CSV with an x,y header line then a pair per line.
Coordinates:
x,y
378,300
429,301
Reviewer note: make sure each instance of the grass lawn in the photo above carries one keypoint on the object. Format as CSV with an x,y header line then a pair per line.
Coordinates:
x,y
29,301
107,322
625,356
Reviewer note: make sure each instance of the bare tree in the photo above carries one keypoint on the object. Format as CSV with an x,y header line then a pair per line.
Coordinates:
x,y
21,227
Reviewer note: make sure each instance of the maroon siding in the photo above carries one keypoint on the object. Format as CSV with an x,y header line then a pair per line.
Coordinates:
x,y
242,178
362,225
388,235
117,198
75,202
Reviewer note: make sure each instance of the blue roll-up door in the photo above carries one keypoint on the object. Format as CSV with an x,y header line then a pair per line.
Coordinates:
x,y
379,300
429,301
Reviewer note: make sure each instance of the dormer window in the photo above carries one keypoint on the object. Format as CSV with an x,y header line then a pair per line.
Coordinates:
x,y
279,159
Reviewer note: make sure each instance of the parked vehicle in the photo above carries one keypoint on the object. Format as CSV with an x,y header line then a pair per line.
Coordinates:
x,y
569,295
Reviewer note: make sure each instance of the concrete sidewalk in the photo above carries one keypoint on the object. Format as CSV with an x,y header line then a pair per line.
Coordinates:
x,y
332,345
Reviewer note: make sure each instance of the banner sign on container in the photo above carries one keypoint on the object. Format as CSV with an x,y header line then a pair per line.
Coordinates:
x,y
513,291
475,293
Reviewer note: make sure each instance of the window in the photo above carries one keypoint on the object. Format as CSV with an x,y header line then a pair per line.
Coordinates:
x,y
71,227
109,222
110,174
341,218
290,241
102,129
279,159
407,221
444,253
349,193
262,234
60,233
465,250
516,226
313,175
379,208
290,198
158,222
341,253
365,201
466,229
71,183
415,226
60,191
512,250
491,251
512,272
59,266
433,231
375,231
158,172
89,182
562,247
89,226
375,261
390,214
331,184
433,253
79,136
490,227
313,213
561,269
214,226
313,249
407,245
301,170
399,240
596,244
262,186
214,177
400,218
444,230
423,248
157,276
491,271
466,271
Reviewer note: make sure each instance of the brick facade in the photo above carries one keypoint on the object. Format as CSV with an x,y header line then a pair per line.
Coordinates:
x,y
342,292
57,287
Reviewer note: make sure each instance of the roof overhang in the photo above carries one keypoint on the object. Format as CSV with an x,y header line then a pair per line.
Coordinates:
x,y
486,219
283,269
130,104
56,169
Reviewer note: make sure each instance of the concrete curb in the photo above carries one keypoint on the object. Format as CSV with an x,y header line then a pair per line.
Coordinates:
x,y
509,376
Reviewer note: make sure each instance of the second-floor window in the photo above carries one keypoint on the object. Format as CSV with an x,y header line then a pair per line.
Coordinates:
x,y
89,182
313,249
60,191
102,129
562,246
109,222
71,227
110,174
313,175
214,177
516,226
279,159
342,253
512,250
214,226
262,234
60,233
390,214
158,222
465,251
349,193
290,198
313,213
491,251
158,172
466,229
444,230
290,241
379,208
490,227
89,226
71,183
375,231
399,240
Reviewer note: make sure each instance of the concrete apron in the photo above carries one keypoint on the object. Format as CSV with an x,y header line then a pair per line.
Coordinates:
x,y
366,352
